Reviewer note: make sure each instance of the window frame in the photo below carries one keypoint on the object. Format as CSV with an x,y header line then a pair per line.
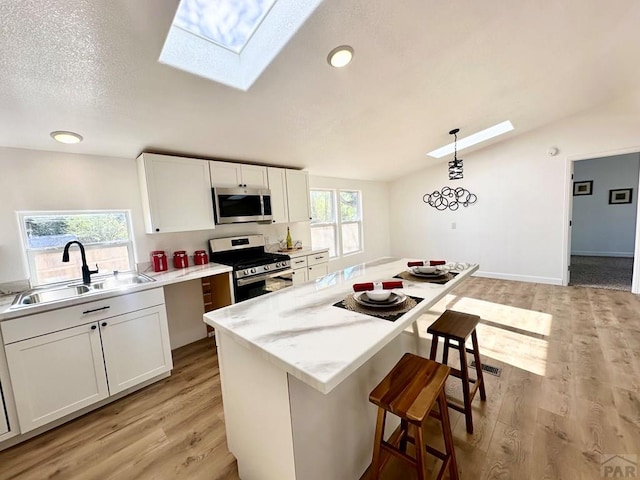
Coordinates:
x,y
333,224
338,222
350,222
29,254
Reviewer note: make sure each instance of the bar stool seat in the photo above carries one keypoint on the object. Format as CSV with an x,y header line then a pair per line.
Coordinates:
x,y
457,327
410,391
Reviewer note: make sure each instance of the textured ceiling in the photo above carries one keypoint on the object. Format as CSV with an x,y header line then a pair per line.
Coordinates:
x,y
421,67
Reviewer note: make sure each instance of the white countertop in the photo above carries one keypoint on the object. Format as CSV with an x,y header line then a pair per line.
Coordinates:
x,y
297,253
299,329
161,279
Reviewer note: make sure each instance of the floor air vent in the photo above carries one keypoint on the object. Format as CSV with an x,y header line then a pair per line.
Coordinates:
x,y
488,368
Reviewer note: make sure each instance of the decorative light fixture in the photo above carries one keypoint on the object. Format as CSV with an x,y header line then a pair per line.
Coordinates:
x,y
447,197
455,165
66,137
450,198
340,56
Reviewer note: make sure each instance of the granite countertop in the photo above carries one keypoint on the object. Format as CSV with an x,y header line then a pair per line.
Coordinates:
x,y
161,279
301,331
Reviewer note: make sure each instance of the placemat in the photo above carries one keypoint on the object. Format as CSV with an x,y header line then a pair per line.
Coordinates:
x,y
391,314
438,281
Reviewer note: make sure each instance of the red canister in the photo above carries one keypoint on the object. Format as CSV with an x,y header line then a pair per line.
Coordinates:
x,y
180,259
159,261
200,257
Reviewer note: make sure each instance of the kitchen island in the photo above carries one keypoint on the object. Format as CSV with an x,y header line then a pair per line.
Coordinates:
x,y
296,372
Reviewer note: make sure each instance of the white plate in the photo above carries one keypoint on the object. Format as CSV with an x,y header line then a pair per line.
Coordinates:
x,y
396,298
436,274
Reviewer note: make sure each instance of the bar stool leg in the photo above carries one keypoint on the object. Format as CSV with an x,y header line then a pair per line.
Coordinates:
x,y
464,370
445,352
421,454
448,437
375,463
434,347
476,356
404,427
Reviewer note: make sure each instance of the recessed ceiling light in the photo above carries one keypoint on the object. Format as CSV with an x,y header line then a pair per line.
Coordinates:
x,y
340,56
66,137
473,139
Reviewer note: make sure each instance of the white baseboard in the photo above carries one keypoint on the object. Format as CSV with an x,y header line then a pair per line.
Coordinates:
x,y
518,278
604,254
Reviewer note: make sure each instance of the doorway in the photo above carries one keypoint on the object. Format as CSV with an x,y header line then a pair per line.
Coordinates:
x,y
604,221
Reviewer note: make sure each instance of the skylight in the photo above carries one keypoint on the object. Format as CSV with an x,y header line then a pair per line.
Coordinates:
x,y
473,139
229,23
232,41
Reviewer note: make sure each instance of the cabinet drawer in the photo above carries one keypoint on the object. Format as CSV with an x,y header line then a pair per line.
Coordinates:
x,y
42,323
317,258
299,262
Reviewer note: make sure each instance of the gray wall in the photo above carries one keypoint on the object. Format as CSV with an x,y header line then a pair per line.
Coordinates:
x,y
599,228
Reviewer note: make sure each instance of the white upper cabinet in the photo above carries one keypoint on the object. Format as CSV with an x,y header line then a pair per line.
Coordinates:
x,y
176,193
297,182
225,174
278,187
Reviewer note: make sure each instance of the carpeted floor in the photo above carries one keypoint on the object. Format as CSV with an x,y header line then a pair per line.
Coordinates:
x,y
613,273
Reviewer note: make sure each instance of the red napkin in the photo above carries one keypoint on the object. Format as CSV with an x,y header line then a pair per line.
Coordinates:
x,y
431,263
363,287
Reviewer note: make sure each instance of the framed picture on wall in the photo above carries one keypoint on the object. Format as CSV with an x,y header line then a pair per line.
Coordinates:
x,y
622,195
583,188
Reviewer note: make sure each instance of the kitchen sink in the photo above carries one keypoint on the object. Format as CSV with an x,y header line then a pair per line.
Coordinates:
x,y
68,291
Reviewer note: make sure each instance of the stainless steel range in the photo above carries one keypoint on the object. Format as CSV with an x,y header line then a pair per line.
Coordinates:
x,y
255,271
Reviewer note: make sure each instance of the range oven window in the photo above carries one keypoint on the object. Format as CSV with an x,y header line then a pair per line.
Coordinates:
x,y
255,288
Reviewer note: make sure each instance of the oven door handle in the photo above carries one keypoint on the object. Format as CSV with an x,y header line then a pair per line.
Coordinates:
x,y
249,280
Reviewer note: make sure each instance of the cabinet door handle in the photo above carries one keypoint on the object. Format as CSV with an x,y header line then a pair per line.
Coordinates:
x,y
93,327
104,324
96,310
320,257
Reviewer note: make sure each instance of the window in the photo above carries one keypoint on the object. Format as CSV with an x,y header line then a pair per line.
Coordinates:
x,y
350,222
106,236
323,220
336,221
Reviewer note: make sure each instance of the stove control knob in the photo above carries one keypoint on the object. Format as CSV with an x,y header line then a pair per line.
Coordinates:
x,y
246,272
253,270
266,267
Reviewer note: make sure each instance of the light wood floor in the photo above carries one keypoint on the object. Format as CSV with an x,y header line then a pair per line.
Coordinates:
x,y
569,392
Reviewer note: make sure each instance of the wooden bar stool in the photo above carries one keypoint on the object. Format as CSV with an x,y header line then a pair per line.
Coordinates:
x,y
458,326
410,391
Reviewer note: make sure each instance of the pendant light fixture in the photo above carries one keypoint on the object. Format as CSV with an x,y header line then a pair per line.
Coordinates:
x,y
455,165
448,197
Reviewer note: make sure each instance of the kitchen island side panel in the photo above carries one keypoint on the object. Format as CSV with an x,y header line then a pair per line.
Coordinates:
x,y
333,433
257,417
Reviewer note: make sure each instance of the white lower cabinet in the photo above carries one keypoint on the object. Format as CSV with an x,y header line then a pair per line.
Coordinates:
x,y
89,357
317,271
300,275
56,374
136,347
309,267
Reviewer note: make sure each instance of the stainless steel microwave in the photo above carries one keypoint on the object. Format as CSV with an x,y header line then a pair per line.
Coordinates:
x,y
241,205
